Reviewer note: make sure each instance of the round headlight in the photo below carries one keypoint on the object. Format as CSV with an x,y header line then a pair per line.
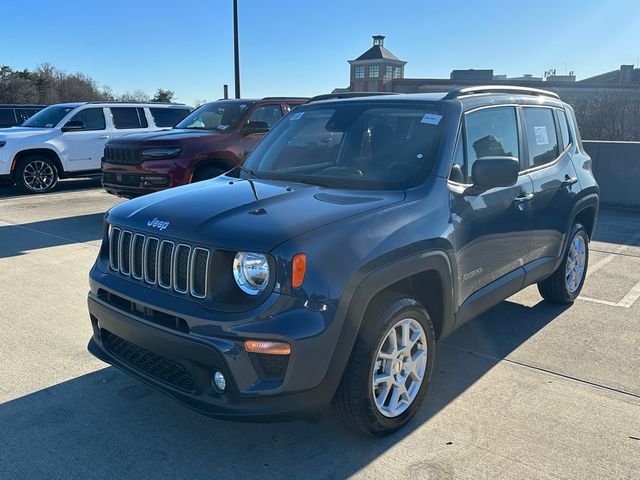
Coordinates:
x,y
251,271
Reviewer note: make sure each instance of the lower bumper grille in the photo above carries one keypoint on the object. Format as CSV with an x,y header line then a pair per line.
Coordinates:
x,y
147,362
128,179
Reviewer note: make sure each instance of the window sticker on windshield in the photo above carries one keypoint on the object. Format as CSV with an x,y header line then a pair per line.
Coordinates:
x,y
222,127
431,119
49,125
296,116
541,135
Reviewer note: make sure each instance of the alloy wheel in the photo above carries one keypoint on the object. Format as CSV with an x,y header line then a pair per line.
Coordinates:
x,y
38,175
400,367
576,261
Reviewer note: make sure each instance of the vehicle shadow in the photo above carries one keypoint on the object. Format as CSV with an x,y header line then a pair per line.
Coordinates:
x,y
67,185
19,239
107,425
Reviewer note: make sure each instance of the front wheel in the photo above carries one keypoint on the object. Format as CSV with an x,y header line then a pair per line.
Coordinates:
x,y
36,174
565,284
390,367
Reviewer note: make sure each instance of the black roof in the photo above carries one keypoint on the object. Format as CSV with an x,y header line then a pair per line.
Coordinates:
x,y
377,52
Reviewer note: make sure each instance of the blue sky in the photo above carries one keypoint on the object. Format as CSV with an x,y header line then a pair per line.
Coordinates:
x,y
290,47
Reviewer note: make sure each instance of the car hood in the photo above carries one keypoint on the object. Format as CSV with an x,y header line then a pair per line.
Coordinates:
x,y
166,137
23,132
244,214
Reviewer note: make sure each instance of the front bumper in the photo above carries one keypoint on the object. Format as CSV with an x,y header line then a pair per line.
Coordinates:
x,y
181,363
136,180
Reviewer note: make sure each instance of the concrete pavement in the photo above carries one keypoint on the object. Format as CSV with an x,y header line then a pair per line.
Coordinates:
x,y
527,390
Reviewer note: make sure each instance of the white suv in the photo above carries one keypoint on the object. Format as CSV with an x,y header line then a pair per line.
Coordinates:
x,y
68,139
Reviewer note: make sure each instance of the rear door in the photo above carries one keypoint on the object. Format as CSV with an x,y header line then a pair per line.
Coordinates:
x,y
491,227
83,149
549,150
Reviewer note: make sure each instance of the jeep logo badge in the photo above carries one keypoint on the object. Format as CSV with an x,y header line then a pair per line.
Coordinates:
x,y
159,224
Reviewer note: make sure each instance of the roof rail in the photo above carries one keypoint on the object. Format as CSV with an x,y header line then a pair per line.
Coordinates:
x,y
337,96
135,101
285,98
461,92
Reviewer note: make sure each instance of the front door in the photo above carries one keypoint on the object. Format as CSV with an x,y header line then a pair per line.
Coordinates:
x,y
491,227
84,148
269,114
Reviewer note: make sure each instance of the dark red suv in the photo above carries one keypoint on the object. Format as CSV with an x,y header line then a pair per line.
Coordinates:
x,y
211,140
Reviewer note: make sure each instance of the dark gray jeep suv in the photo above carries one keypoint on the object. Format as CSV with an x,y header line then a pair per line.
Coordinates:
x,y
357,233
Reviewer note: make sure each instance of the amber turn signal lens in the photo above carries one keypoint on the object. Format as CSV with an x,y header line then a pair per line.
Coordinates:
x,y
267,346
299,267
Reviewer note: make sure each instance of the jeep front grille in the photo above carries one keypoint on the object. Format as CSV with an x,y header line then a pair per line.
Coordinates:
x,y
178,267
123,155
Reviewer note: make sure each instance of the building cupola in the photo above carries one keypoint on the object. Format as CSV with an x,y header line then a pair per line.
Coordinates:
x,y
378,40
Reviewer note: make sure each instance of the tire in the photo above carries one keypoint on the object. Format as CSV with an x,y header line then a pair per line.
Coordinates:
x,y
206,173
355,402
36,174
561,287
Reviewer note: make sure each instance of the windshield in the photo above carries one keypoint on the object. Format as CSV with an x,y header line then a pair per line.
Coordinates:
x,y
216,116
351,145
48,117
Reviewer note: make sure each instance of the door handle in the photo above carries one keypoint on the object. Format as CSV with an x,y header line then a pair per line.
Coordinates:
x,y
520,199
104,137
568,181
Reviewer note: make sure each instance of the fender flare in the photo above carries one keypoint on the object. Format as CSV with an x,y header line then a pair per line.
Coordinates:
x,y
588,201
352,307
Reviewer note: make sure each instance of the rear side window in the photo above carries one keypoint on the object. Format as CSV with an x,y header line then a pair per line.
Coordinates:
x,y
168,117
22,114
93,118
128,117
541,135
564,129
7,118
490,132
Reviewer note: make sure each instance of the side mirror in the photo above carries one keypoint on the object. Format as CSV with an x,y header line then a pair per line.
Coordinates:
x,y
255,127
73,125
490,172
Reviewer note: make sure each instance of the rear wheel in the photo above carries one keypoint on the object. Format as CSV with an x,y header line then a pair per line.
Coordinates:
x,y
565,284
390,367
207,172
36,174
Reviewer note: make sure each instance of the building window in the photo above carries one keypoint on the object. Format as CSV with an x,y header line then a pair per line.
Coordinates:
x,y
374,71
389,71
358,72
397,73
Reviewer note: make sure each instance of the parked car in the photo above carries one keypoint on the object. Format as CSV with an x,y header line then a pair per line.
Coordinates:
x,y
359,233
13,115
213,139
68,139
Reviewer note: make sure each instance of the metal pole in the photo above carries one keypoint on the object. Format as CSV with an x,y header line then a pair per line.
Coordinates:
x,y
236,53
225,89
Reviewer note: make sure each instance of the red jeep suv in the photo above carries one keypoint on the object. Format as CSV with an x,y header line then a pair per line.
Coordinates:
x,y
213,139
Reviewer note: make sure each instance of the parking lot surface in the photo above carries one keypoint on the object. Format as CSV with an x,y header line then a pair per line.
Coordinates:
x,y
527,390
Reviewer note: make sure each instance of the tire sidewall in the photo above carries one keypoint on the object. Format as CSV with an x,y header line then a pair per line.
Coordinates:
x,y
577,229
19,176
377,422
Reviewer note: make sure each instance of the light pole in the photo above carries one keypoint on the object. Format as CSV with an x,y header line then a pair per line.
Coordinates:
x,y
236,53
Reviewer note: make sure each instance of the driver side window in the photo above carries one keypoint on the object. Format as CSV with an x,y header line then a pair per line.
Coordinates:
x,y
489,132
267,113
92,118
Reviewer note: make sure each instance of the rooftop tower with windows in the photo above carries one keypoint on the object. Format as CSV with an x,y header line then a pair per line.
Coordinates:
x,y
375,69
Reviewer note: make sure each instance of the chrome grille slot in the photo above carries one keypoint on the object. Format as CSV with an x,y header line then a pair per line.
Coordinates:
x,y
181,268
114,247
137,250
165,262
151,259
199,269
125,252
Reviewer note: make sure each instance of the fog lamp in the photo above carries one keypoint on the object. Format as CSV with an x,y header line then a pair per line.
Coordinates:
x,y
219,381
